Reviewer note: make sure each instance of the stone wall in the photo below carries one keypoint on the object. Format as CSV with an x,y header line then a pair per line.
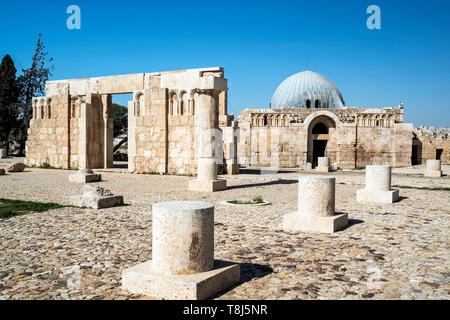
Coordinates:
x,y
430,143
161,120
355,137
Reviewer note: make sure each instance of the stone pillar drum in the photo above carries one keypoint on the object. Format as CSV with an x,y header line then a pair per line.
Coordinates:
x,y
316,195
207,122
207,131
433,169
182,265
207,169
323,164
3,153
183,237
316,207
378,178
378,186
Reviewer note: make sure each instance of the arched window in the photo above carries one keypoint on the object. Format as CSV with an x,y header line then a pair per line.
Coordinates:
x,y
308,104
42,110
320,128
184,107
317,104
173,107
49,109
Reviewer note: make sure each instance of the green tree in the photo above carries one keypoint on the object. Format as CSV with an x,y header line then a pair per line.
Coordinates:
x,y
120,122
31,84
120,119
9,95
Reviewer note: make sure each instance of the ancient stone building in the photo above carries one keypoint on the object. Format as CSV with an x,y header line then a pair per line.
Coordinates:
x,y
72,126
307,120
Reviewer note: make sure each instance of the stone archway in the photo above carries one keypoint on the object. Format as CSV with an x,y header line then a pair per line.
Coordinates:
x,y
321,139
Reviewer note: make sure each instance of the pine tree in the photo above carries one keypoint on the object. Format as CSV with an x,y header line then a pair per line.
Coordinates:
x,y
31,84
9,94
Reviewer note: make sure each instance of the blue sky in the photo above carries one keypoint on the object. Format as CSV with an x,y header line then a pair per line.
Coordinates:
x,y
259,43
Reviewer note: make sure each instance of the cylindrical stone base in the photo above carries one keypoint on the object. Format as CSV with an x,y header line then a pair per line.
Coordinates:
x,y
207,169
3,153
183,237
323,162
316,195
434,165
378,178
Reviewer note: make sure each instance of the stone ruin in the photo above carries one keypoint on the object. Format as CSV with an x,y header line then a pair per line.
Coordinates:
x,y
72,126
433,169
378,186
96,198
85,176
316,207
182,265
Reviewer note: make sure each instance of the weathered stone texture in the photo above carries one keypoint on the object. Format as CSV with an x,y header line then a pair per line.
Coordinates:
x,y
72,126
354,137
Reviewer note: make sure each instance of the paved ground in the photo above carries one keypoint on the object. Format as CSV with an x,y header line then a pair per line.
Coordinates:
x,y
398,251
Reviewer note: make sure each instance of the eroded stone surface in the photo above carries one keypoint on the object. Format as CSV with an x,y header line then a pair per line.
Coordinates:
x,y
96,197
85,176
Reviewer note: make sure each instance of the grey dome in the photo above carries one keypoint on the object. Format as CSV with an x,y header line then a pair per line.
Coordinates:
x,y
306,86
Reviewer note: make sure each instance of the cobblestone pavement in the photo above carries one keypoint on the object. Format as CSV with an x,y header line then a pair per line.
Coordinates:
x,y
398,251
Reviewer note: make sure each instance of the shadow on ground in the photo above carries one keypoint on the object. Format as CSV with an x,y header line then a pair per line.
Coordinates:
x,y
351,223
249,271
263,171
270,183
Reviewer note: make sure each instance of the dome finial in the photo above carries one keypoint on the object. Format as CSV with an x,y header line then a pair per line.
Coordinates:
x,y
307,66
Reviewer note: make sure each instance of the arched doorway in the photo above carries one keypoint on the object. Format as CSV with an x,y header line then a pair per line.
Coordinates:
x,y
317,104
308,104
320,139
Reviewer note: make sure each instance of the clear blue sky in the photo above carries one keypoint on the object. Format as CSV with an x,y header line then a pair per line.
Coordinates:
x,y
259,43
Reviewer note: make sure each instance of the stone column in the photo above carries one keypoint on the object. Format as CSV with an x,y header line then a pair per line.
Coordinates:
x,y
3,153
83,131
183,237
209,144
108,139
316,207
182,265
378,186
433,169
323,164
131,136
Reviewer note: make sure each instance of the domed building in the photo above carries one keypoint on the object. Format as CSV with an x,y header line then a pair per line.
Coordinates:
x,y
308,119
307,89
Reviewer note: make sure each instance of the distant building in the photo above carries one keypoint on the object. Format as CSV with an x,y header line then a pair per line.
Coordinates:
x,y
308,119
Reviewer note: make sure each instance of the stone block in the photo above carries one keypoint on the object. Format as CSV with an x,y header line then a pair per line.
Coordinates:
x,y
143,279
207,186
96,198
433,173
377,196
85,176
18,167
232,167
2,172
295,222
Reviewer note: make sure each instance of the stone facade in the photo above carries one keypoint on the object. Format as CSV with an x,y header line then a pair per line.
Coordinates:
x,y
350,137
431,144
72,126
